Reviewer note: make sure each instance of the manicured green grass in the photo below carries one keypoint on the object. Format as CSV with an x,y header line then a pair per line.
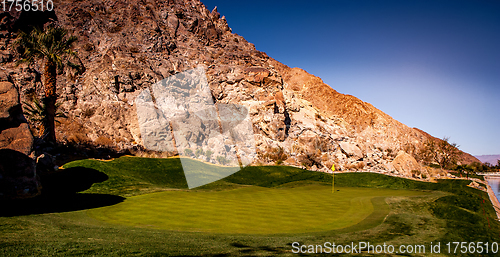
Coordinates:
x,y
443,212
256,200
131,175
253,210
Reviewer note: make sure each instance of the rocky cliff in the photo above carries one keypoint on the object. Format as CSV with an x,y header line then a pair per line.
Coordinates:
x,y
126,46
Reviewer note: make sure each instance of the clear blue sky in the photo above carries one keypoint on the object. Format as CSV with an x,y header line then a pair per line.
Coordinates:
x,y
431,64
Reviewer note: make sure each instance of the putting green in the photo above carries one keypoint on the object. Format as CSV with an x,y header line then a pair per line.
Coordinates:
x,y
251,209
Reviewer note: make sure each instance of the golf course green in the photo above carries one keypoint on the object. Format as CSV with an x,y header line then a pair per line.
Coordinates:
x,y
253,210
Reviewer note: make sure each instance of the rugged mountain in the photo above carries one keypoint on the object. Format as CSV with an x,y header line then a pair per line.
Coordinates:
x,y
126,46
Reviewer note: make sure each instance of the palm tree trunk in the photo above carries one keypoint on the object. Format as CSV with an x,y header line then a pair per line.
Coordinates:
x,y
50,79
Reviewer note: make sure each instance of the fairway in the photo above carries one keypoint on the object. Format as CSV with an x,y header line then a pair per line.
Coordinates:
x,y
252,209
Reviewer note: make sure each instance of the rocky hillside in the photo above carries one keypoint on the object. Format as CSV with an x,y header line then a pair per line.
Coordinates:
x,y
125,46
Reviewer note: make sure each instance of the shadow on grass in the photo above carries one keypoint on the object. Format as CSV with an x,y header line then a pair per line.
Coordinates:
x,y
60,194
247,249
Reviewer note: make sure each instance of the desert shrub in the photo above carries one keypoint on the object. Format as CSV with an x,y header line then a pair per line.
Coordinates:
x,y
277,155
222,160
309,160
104,141
442,152
73,132
199,152
188,152
208,154
77,138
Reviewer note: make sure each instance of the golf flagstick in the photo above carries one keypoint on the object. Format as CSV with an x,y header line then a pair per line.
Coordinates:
x,y
333,178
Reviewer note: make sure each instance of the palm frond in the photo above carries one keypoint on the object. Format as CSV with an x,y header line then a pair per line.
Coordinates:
x,y
35,112
52,44
27,44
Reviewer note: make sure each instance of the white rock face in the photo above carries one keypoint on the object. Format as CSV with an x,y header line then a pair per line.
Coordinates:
x,y
155,128
183,118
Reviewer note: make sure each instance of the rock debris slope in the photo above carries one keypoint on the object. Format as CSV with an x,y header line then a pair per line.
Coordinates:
x,y
126,46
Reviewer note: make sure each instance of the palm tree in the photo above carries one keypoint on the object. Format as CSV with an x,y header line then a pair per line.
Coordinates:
x,y
51,46
35,112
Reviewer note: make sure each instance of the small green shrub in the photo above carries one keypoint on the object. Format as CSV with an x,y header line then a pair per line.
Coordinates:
x,y
208,154
188,152
199,152
435,166
222,160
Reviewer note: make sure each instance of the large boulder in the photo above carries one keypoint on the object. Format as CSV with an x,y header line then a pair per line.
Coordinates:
x,y
406,165
9,100
18,178
350,150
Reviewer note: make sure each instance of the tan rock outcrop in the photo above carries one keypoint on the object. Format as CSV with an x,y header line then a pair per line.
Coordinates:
x,y
14,130
9,100
350,150
406,165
